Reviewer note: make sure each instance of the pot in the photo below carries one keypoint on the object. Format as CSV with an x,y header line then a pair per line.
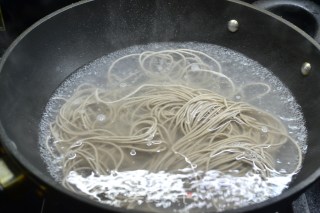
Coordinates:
x,y
49,51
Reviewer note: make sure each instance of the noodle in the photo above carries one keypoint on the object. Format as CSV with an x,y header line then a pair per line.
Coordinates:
x,y
178,126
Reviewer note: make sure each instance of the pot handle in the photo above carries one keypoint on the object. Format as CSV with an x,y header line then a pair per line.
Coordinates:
x,y
10,174
305,14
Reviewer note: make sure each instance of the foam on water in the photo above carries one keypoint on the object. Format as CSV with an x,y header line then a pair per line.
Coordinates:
x,y
215,191
163,190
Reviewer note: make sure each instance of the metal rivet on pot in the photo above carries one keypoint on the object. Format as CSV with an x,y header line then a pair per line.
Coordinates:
x,y
305,68
233,25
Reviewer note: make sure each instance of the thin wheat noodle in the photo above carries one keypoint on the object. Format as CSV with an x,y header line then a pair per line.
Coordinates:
x,y
178,125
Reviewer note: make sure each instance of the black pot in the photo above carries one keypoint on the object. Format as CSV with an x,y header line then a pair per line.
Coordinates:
x,y
82,32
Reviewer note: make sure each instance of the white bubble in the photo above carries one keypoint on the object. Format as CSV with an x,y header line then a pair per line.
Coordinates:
x,y
264,129
133,152
304,147
101,117
77,143
283,171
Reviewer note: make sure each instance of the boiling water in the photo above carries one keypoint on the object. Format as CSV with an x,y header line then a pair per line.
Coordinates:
x,y
190,189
